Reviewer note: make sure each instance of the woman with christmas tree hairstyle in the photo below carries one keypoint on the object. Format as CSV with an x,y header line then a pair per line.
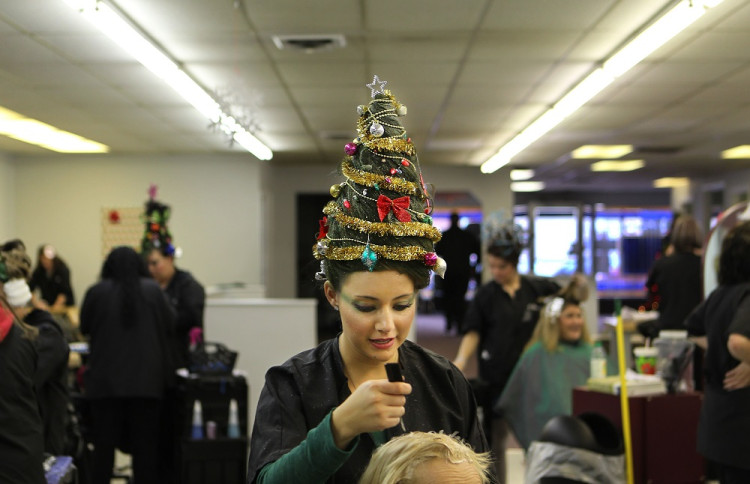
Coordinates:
x,y
322,413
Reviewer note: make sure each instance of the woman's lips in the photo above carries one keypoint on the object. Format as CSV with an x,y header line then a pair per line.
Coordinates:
x,y
382,343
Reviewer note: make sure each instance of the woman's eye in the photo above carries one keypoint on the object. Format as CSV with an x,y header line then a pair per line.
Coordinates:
x,y
364,309
402,307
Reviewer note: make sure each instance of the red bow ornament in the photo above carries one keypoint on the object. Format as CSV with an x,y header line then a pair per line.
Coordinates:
x,y
323,223
399,207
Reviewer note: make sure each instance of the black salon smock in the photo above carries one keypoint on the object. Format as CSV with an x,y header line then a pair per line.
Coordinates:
x,y
504,325
679,285
300,393
21,437
54,285
188,299
51,379
724,426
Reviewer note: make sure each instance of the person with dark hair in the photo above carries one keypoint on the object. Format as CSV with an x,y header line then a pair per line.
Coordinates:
x,y
676,278
456,247
129,322
322,413
184,292
724,423
52,277
21,430
499,322
556,359
51,376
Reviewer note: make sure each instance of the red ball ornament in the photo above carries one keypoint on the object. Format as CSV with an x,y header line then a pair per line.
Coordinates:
x,y
405,162
408,140
347,204
430,259
154,227
393,171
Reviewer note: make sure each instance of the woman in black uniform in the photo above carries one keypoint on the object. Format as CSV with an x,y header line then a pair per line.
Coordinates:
x,y
724,424
323,412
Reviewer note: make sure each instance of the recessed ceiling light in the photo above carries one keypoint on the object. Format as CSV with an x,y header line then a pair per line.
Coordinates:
x,y
601,151
671,182
738,152
519,174
527,186
617,165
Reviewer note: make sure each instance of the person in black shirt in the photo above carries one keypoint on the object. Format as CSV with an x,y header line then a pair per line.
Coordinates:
x,y
21,431
52,277
456,247
499,322
724,423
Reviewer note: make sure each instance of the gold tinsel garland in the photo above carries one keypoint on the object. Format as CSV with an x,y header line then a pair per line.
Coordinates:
x,y
400,229
371,179
353,252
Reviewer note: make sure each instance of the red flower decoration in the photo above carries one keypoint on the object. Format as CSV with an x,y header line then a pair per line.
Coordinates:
x,y
323,223
399,207
114,217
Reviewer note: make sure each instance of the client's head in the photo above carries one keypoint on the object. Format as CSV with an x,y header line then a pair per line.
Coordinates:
x,y
426,457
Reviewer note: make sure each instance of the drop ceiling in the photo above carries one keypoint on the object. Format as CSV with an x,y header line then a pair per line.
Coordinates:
x,y
473,73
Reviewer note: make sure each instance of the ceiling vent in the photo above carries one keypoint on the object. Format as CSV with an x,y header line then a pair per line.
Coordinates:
x,y
309,43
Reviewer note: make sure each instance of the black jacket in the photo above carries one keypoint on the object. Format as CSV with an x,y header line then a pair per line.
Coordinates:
x,y
51,379
300,393
724,424
21,437
187,297
127,360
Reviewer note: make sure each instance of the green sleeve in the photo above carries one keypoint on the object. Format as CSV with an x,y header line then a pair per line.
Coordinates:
x,y
315,459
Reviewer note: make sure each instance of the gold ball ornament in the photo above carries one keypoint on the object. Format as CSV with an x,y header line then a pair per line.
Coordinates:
x,y
335,190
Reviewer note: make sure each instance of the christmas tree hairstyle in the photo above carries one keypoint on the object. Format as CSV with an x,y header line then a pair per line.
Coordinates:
x,y
156,235
379,218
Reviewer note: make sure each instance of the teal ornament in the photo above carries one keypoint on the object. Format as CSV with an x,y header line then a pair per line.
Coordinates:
x,y
376,187
427,219
369,258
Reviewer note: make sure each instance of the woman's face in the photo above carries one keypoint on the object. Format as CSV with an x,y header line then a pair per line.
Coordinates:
x,y
377,310
502,271
571,323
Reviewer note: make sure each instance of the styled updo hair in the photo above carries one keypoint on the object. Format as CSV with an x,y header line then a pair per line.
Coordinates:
x,y
16,260
506,243
379,218
547,330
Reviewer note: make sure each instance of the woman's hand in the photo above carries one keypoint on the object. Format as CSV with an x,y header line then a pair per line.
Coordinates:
x,y
738,377
375,405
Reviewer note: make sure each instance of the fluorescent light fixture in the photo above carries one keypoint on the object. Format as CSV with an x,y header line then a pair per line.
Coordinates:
x,y
601,151
22,128
647,41
527,186
738,152
617,165
671,182
520,175
130,38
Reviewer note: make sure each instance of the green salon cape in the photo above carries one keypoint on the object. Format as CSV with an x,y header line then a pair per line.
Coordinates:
x,y
541,387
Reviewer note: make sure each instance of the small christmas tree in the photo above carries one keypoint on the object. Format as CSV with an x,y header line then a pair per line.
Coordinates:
x,y
156,234
381,211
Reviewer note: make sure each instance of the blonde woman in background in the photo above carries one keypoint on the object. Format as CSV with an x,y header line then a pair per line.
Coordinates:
x,y
555,361
427,458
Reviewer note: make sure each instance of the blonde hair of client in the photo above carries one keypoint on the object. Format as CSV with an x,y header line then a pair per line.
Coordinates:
x,y
426,457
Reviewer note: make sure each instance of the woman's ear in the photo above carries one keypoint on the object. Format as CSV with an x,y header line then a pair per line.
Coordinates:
x,y
331,294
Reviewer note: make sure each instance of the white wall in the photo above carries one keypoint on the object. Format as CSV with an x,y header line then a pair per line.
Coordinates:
x,y
7,198
282,184
215,199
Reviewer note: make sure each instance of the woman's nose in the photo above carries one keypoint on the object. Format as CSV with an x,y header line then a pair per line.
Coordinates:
x,y
385,321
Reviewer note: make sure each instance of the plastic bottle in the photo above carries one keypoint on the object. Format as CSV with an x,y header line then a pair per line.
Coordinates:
x,y
233,428
197,429
598,361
